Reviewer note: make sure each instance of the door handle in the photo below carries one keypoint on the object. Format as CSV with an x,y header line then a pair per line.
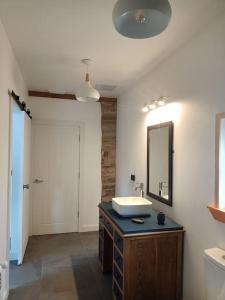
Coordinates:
x,y
38,181
26,186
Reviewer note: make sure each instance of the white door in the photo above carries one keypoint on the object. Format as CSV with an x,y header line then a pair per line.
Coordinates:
x,y
20,202
55,188
25,208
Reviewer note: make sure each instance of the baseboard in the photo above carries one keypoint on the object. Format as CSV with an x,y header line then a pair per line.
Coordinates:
x,y
87,228
6,295
82,228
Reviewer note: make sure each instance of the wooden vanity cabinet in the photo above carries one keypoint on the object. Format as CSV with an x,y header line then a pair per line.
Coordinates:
x,y
153,267
144,266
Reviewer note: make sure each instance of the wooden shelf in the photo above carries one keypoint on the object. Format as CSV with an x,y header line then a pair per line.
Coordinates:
x,y
115,281
109,233
217,213
115,263
118,250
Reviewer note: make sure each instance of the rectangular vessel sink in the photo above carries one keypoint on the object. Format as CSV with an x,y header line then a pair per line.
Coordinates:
x,y
131,206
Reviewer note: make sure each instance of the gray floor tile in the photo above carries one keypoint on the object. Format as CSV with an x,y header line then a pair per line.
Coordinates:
x,y
60,267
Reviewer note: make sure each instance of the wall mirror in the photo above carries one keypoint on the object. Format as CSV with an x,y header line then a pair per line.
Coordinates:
x,y
160,162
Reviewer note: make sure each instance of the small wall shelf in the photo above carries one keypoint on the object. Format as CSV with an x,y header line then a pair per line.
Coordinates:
x,y
217,213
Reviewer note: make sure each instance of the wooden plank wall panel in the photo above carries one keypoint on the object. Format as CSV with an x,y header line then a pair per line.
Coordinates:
x,y
109,119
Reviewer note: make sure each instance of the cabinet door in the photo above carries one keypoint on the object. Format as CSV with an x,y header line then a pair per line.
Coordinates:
x,y
151,268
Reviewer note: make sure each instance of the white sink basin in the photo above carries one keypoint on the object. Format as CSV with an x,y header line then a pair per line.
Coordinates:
x,y
131,206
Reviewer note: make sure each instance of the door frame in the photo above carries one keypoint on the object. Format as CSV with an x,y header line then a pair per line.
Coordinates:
x,y
81,128
9,195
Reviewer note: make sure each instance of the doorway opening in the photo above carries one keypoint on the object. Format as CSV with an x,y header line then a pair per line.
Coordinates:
x,y
55,177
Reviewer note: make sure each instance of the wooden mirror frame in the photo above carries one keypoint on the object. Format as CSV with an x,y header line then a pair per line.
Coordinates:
x,y
170,163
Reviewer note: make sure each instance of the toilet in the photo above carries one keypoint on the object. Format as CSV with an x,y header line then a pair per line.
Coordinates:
x,y
214,263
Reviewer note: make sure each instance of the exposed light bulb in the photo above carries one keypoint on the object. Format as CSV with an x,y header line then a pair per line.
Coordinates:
x,y
140,18
152,105
145,108
162,101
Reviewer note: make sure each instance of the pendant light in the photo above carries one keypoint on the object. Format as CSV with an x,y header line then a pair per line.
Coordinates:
x,y
86,92
141,19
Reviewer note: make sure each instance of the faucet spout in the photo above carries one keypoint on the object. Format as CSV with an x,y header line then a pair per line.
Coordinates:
x,y
140,186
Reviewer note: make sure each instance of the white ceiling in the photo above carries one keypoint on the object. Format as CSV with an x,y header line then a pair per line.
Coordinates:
x,y
50,37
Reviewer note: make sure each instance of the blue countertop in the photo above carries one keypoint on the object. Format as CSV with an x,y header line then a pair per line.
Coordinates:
x,y
150,222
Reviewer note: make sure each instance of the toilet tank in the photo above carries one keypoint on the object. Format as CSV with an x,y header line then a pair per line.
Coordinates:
x,y
214,260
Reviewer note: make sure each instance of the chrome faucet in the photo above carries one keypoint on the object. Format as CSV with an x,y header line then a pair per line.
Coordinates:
x,y
140,186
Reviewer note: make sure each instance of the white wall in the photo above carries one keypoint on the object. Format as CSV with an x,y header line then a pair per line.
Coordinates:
x,y
89,115
10,78
194,77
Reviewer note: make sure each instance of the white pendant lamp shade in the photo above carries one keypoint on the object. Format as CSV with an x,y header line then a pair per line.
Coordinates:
x,y
86,92
140,19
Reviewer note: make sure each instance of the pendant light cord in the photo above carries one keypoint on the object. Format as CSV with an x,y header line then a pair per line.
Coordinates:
x,y
87,78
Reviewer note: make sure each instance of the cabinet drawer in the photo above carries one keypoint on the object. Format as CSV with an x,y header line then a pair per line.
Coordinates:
x,y
118,259
109,226
116,292
117,276
118,240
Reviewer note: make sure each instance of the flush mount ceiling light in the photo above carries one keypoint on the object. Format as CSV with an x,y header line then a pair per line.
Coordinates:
x,y
141,19
86,92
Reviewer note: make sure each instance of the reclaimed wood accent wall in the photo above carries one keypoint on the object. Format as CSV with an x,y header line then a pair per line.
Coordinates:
x,y
109,120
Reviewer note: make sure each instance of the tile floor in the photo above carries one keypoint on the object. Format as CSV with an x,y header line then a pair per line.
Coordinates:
x,y
60,267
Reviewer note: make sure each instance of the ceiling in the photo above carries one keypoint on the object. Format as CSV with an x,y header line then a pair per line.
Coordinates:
x,y
50,37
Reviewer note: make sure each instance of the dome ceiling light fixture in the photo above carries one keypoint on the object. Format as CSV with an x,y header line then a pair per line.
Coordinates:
x,y
86,92
141,19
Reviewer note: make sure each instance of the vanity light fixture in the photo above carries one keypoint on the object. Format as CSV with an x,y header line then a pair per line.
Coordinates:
x,y
86,92
161,101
